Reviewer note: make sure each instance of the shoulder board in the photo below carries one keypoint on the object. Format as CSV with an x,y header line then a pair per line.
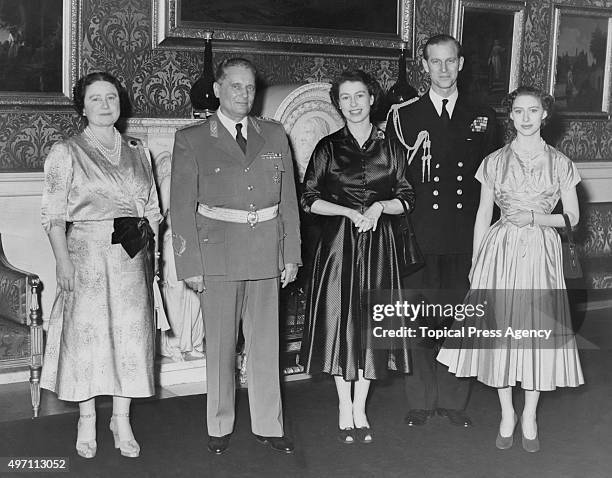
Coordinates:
x,y
193,125
265,118
397,106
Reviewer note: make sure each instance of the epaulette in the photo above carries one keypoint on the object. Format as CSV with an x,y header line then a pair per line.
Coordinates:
x,y
194,124
406,103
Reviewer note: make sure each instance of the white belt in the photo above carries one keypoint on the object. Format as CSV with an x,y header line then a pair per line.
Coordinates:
x,y
238,215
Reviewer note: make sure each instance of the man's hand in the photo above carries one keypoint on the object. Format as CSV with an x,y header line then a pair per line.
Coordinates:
x,y
289,274
196,284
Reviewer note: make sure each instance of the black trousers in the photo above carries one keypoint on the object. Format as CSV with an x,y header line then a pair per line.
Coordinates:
x,y
430,385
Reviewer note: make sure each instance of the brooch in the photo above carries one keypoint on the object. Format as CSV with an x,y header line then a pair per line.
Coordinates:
x,y
479,125
379,135
133,143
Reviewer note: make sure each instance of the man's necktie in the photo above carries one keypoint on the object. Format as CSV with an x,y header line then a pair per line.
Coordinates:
x,y
444,116
241,140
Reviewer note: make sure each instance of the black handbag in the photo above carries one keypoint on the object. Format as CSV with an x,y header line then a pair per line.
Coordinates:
x,y
409,255
571,265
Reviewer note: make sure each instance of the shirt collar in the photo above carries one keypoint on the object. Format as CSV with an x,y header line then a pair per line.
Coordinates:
x,y
436,99
230,124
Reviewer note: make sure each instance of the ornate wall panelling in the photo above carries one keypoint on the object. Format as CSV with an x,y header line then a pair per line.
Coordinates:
x,y
27,136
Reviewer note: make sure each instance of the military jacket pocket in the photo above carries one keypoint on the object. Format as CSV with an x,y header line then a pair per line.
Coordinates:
x,y
212,247
218,183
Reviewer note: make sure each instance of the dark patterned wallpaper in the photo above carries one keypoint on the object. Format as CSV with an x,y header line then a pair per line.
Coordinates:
x,y
117,38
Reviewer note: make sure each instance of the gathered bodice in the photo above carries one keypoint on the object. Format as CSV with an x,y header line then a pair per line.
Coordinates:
x,y
522,182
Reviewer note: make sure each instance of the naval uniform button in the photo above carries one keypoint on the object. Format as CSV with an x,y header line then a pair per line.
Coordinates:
x,y
436,179
437,165
460,164
459,205
459,178
459,192
250,188
435,206
435,192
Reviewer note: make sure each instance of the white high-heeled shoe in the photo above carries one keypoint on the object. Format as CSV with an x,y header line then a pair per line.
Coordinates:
x,y
86,445
130,447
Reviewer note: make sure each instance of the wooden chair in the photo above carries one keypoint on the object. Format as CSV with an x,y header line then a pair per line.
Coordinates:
x,y
21,331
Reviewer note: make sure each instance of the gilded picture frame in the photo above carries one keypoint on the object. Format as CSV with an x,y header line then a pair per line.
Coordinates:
x,y
491,34
34,57
580,71
234,34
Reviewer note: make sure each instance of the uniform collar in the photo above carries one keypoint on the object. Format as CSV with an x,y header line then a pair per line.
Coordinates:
x,y
436,99
230,124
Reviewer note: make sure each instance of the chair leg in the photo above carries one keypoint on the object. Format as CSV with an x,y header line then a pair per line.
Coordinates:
x,y
36,344
35,391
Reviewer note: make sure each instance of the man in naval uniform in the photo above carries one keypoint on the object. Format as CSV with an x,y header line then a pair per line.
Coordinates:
x,y
235,232
446,137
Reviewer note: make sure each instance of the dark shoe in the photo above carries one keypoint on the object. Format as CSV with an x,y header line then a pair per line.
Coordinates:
x,y
530,445
364,435
417,417
218,445
456,417
502,442
346,435
282,444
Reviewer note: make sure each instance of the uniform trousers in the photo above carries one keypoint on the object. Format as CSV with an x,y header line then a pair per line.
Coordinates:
x,y
430,385
224,305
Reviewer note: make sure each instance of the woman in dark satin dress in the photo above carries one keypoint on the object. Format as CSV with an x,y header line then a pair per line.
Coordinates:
x,y
354,181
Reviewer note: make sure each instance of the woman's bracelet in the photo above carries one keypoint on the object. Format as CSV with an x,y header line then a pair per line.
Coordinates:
x,y
532,218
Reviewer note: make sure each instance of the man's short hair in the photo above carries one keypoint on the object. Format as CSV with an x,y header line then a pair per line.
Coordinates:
x,y
229,62
439,39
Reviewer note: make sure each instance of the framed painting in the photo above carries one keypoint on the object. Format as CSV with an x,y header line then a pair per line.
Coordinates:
x,y
338,27
38,57
491,34
581,55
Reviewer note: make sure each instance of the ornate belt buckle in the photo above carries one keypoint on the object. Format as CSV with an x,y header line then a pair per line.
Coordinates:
x,y
252,218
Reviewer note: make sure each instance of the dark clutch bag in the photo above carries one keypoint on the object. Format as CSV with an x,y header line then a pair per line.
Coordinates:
x,y
571,265
133,233
410,257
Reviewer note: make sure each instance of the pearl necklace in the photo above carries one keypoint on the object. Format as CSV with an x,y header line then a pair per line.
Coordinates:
x,y
112,155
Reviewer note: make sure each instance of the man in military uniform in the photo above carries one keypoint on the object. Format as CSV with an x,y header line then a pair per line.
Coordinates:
x,y
446,137
235,231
